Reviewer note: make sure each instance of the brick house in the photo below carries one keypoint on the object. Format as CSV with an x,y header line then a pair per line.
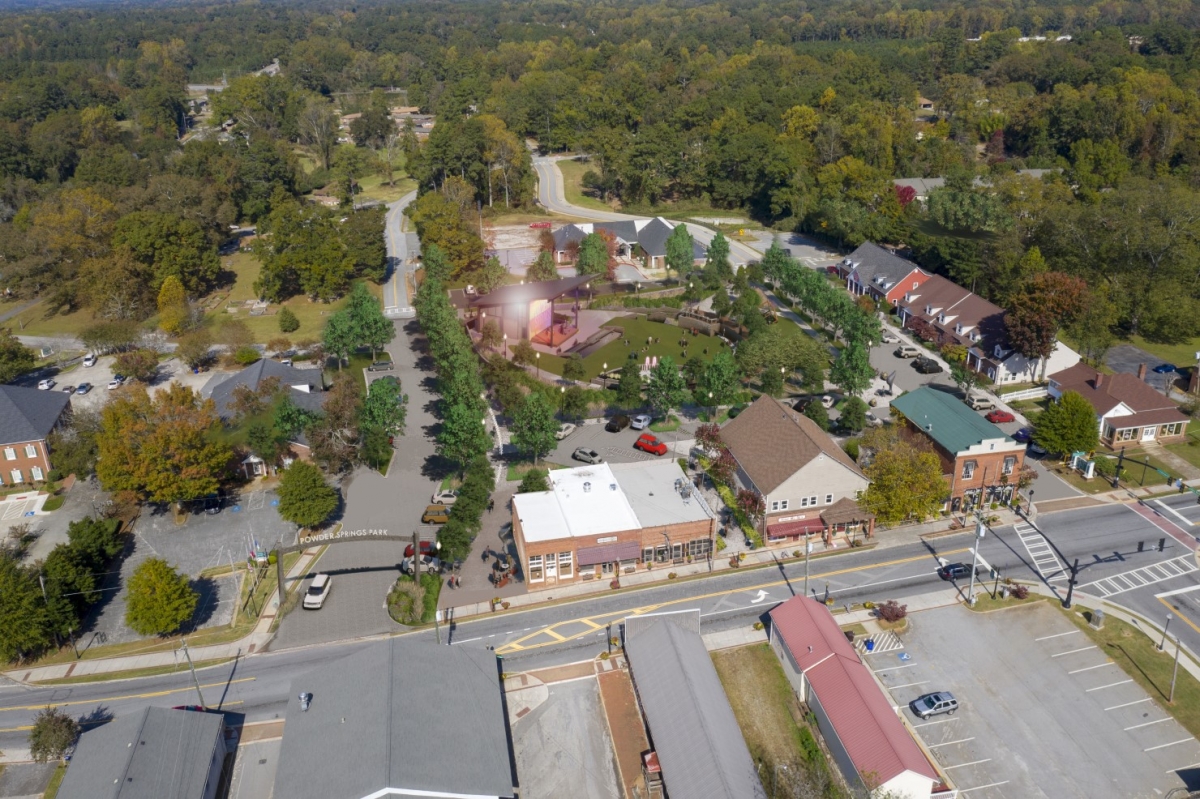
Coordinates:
x,y
808,484
600,521
880,274
1128,410
634,238
980,462
27,416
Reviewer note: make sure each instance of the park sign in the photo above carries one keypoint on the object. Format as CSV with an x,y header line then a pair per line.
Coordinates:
x,y
335,535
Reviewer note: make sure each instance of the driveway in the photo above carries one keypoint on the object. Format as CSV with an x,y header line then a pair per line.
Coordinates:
x,y
1043,712
1128,358
618,447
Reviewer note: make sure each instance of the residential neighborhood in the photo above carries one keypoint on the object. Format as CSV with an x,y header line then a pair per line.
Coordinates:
x,y
617,403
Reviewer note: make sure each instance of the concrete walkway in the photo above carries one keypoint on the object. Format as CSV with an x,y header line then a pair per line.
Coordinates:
x,y
254,642
1177,463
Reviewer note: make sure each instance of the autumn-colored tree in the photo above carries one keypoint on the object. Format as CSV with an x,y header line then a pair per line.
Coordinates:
x,y
141,365
709,436
906,476
751,503
1048,301
722,468
164,448
172,306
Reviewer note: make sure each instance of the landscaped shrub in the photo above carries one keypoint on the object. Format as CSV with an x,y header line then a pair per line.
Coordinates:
x,y
891,611
1019,591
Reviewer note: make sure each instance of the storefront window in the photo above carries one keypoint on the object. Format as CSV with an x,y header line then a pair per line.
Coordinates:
x,y
535,569
565,564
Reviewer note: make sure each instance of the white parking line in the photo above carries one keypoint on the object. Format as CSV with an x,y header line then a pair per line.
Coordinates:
x,y
1089,668
1173,743
1147,724
1110,685
1073,651
1184,768
1127,704
886,669
928,723
1056,635
908,685
950,743
981,787
972,763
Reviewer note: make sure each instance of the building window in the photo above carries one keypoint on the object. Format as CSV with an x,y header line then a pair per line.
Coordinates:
x,y
1128,434
968,470
699,547
779,504
16,476
829,499
30,451
535,569
647,555
37,473
1170,429
1009,465
804,502
565,564
812,502
10,454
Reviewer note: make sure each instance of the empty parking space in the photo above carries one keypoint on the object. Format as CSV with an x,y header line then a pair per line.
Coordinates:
x,y
1043,711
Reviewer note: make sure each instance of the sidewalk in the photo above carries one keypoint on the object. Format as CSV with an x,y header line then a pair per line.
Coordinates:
x,y
254,642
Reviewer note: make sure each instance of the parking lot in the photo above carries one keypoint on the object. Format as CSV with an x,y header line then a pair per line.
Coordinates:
x,y
618,447
1043,714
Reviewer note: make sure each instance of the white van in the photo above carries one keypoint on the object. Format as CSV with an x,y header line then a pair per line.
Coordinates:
x,y
318,590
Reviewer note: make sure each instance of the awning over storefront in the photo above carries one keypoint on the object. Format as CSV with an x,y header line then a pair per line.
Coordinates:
x,y
797,528
609,553
845,511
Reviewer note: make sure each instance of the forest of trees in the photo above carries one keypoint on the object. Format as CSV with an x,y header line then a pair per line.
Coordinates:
x,y
798,113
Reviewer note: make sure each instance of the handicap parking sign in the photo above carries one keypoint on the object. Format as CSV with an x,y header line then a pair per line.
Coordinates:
x,y
29,513
904,656
236,509
274,503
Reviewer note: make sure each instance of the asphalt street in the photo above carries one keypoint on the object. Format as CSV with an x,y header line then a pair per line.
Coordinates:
x,y
400,245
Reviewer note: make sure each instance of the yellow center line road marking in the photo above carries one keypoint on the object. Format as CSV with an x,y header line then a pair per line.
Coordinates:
x,y
149,695
1175,610
595,621
95,723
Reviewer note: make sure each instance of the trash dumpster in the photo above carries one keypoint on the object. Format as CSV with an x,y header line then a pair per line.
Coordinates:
x,y
870,644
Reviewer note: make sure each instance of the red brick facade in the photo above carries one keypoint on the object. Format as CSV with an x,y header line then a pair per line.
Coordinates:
x,y
27,462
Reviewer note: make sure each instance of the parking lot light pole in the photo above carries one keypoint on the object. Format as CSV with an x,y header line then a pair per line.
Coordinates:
x,y
979,531
436,628
1166,627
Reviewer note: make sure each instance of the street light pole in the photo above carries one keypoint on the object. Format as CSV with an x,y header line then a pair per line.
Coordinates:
x,y
1174,673
979,531
1167,626
537,359
562,397
506,346
436,628
192,666
807,549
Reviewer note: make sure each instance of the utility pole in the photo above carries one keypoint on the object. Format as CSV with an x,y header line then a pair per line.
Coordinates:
x,y
807,549
979,530
1071,584
191,666
1174,673
417,557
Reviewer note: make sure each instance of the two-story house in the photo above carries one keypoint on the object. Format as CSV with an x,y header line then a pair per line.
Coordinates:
x,y
808,484
945,313
882,275
27,416
1129,411
980,462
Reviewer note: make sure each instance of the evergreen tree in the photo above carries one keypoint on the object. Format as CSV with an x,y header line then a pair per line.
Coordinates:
x,y
172,306
534,426
680,256
305,499
160,600
667,387
1068,425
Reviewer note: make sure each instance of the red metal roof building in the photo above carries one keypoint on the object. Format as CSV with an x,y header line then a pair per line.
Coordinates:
x,y
867,739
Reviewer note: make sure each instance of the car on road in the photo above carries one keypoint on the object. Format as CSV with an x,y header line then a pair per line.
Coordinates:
x,y
927,366
381,366
317,592
873,420
45,385
83,388
116,382
445,497
427,548
617,423
564,431
1166,368
640,422
934,704
1023,436
587,455
648,442
1000,417
888,338
954,571
89,359
435,514
906,351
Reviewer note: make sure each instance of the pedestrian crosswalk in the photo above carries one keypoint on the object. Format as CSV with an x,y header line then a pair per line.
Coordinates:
x,y
1146,575
1045,561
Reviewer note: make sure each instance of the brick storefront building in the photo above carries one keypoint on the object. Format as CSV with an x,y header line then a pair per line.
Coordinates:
x,y
27,416
600,521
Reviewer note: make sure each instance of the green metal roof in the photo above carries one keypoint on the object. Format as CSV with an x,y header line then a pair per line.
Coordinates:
x,y
946,419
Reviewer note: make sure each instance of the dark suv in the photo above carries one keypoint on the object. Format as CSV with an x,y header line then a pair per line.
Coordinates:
x,y
955,571
616,424
927,366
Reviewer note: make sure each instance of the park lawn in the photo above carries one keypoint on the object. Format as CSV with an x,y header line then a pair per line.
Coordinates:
x,y
373,187
1189,450
1179,354
637,331
34,322
572,173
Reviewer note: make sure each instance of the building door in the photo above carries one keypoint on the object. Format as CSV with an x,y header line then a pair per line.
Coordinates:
x,y
1148,433
606,569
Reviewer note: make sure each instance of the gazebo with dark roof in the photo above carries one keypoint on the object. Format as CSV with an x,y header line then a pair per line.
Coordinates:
x,y
526,310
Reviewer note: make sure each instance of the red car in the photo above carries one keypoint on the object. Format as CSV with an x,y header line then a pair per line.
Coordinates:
x,y
427,548
650,443
1000,417
539,225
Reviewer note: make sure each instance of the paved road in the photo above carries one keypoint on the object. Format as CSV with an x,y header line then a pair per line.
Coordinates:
x,y
551,196
399,246
258,687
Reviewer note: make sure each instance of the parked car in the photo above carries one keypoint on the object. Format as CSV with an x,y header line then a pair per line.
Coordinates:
x,y
1166,368
89,359
428,564
318,590
648,442
873,420
927,366
427,548
587,455
801,404
564,431
68,389
1023,436
954,571
1000,417
447,497
640,422
83,388
212,505
616,424
1036,449
934,704
735,410
45,385
381,366
828,401
980,402
435,514
906,351
888,338
116,382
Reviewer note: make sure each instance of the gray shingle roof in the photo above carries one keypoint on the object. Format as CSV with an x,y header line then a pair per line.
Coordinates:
x,y
401,715
27,414
253,375
873,261
625,229
692,727
157,753
653,237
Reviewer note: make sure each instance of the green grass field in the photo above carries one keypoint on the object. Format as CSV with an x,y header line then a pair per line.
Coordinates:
x,y
614,354
572,172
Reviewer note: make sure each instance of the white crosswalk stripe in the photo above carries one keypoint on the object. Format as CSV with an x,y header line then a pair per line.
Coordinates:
x,y
1045,561
1146,575
886,641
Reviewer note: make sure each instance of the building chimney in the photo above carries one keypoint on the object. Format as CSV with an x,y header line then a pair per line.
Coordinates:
x,y
1142,372
1099,381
